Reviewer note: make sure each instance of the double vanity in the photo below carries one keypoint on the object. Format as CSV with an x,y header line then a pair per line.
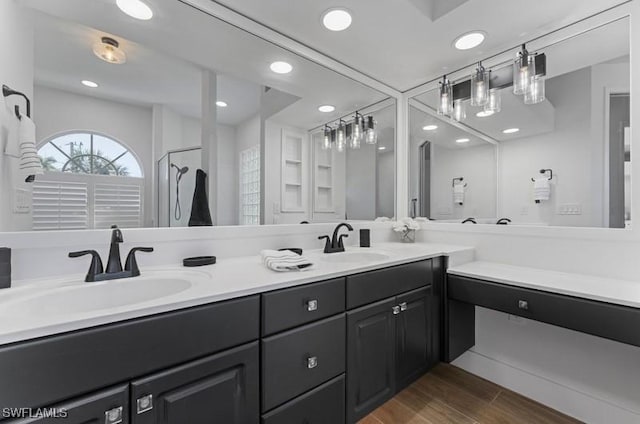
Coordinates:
x,y
238,343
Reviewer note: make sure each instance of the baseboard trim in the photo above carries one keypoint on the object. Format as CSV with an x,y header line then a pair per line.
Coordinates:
x,y
555,395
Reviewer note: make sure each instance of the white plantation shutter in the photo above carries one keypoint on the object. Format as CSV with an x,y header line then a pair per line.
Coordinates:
x,y
118,204
60,205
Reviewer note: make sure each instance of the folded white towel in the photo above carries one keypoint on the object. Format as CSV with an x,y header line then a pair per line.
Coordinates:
x,y
284,260
541,189
382,219
30,164
458,193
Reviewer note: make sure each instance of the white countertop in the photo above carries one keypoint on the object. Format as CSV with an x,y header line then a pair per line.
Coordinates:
x,y
610,290
229,278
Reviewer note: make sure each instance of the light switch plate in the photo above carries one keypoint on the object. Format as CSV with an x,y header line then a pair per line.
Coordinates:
x,y
21,201
570,209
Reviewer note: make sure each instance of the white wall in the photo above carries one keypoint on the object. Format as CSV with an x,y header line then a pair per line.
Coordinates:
x,y
228,185
61,111
16,71
477,165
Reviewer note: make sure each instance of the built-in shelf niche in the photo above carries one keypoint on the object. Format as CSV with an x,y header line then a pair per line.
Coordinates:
x,y
293,171
323,184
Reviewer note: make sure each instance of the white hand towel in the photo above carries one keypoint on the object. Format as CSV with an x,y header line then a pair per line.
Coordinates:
x,y
541,189
284,260
30,164
458,193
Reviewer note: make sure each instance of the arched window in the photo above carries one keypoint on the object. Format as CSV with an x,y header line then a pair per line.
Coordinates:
x,y
88,153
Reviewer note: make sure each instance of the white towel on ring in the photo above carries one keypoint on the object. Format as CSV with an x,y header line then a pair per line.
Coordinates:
x,y
30,164
458,193
284,260
541,189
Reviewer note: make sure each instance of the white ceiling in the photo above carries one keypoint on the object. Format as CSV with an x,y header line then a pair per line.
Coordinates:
x,y
404,43
167,54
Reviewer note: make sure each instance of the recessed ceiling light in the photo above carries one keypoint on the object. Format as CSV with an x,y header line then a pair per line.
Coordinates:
x,y
326,108
511,130
484,113
430,127
336,19
463,140
382,148
136,9
90,84
281,67
109,50
469,40
220,103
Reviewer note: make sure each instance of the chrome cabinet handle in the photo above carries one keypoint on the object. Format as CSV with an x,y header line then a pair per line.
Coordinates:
x,y
114,416
403,306
523,304
144,404
312,305
312,362
396,310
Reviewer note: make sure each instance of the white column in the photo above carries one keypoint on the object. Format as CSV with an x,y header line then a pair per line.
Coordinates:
x,y
210,139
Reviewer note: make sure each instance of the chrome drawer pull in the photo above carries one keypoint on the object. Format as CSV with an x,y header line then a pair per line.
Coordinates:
x,y
396,310
523,304
113,416
312,362
312,305
144,404
403,306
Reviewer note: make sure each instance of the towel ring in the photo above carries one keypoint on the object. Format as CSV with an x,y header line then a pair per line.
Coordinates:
x,y
544,171
6,92
453,181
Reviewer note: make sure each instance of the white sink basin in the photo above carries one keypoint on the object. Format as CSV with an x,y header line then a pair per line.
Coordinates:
x,y
89,297
353,257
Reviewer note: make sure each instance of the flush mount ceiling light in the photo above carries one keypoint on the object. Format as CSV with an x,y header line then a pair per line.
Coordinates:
x,y
484,113
280,67
430,127
463,140
382,148
220,103
89,84
336,19
469,40
326,108
109,50
511,130
136,9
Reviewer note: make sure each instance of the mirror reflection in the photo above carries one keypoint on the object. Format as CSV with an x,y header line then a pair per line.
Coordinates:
x,y
561,140
126,112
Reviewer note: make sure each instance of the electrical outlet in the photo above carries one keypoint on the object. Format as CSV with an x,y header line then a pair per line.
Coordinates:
x,y
21,201
570,209
276,207
524,210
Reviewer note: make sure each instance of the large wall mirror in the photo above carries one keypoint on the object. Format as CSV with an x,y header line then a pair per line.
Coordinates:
x,y
553,157
125,109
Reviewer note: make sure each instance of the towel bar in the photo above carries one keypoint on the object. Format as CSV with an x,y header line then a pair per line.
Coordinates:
x,y
6,92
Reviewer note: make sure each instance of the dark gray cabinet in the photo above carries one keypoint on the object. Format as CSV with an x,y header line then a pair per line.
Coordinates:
x,y
371,349
219,388
109,406
413,337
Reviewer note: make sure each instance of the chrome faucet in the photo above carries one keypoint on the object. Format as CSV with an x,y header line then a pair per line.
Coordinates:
x,y
114,264
335,243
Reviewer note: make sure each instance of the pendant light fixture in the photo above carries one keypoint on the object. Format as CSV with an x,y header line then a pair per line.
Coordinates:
x,y
524,69
536,91
445,104
459,111
341,137
354,142
371,136
109,50
494,103
326,140
480,86
358,129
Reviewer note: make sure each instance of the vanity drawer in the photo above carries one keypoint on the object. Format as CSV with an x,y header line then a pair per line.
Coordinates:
x,y
322,405
288,308
601,319
298,360
373,286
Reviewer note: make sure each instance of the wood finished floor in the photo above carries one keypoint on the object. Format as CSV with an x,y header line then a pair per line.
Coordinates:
x,y
448,394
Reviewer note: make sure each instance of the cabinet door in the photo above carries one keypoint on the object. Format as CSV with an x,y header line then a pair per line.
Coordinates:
x,y
222,388
413,337
371,342
109,406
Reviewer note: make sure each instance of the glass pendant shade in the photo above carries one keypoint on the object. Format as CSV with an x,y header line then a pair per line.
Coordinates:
x,y
480,86
536,91
445,103
371,136
459,111
524,68
326,139
358,124
494,103
354,142
341,137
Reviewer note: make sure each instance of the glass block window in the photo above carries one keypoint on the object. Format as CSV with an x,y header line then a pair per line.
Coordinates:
x,y
250,186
